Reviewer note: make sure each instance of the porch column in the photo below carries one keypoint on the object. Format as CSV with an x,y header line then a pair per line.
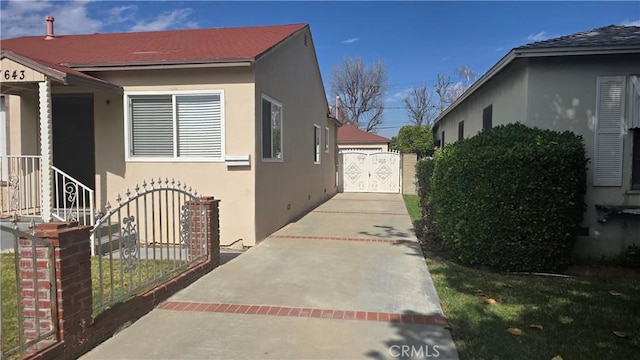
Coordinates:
x,y
46,149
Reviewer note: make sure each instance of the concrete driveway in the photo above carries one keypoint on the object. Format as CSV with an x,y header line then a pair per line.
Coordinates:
x,y
346,281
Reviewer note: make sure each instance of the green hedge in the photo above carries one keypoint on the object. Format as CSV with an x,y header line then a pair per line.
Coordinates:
x,y
511,198
424,171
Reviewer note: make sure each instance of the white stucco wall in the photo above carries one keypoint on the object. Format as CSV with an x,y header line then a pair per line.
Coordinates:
x,y
507,92
561,97
233,186
559,93
285,190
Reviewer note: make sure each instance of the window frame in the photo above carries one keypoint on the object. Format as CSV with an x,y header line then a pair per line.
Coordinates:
x,y
317,144
487,119
128,128
326,139
635,160
276,102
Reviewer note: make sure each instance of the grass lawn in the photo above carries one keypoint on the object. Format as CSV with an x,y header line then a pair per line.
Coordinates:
x,y
412,202
115,289
577,316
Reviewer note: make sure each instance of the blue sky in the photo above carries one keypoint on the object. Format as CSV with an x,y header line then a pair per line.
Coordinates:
x,y
417,39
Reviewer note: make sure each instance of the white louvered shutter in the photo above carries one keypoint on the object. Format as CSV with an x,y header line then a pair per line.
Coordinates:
x,y
610,95
151,126
634,106
199,126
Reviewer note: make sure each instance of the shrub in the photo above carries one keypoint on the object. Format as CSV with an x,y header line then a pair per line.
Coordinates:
x,y
424,171
511,197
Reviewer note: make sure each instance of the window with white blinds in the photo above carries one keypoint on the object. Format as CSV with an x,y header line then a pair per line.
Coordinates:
x,y
199,126
152,126
176,126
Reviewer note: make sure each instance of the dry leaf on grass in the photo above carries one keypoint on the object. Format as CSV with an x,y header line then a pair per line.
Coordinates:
x,y
557,357
478,292
621,334
514,331
490,301
536,326
615,293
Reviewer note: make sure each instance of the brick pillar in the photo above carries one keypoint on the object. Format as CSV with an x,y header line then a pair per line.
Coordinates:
x,y
409,173
211,236
72,252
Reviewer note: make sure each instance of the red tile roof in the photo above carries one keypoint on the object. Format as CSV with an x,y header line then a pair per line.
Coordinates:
x,y
157,47
349,134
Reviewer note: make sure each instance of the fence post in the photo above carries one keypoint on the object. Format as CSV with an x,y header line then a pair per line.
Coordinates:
x,y
211,236
409,173
72,253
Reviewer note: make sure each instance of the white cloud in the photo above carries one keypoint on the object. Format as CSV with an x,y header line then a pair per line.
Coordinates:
x,y
398,96
499,49
167,20
630,23
542,35
350,41
122,13
27,18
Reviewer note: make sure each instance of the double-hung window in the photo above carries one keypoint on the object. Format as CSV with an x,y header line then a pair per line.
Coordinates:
x,y
316,144
176,126
271,129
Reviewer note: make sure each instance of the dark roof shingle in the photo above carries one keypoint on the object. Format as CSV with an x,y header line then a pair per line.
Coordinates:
x,y
612,35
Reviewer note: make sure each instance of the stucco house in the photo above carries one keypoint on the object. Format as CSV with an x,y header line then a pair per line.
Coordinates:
x,y
236,113
352,138
586,83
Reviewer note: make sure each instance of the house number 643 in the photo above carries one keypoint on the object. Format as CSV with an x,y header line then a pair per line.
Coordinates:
x,y
15,75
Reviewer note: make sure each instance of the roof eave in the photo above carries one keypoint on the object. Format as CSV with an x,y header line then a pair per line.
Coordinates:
x,y
564,51
155,65
47,71
506,60
72,79
526,52
334,119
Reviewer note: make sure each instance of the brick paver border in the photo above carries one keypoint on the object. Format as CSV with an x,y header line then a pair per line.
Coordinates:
x,y
376,200
306,312
359,212
341,238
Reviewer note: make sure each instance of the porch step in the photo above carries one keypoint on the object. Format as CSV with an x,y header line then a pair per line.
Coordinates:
x,y
107,239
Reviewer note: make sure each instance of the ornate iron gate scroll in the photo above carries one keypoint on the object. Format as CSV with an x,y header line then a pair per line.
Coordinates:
x,y
152,233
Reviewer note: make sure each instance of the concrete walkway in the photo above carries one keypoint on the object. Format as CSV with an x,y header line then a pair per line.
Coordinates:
x,y
346,281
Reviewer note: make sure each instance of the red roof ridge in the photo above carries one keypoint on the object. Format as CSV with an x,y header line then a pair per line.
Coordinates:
x,y
349,134
206,45
61,36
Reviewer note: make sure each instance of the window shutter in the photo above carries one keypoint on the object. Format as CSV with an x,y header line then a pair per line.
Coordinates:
x,y
634,106
610,93
152,126
199,126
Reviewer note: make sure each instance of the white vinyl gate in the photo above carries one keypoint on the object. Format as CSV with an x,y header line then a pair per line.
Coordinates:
x,y
373,172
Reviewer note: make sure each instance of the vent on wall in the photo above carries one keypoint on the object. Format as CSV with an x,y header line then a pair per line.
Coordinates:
x,y
305,39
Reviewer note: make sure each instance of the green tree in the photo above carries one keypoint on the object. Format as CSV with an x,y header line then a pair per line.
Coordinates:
x,y
413,139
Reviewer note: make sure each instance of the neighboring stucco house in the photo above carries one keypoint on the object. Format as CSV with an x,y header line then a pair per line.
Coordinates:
x,y
236,113
352,138
586,83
